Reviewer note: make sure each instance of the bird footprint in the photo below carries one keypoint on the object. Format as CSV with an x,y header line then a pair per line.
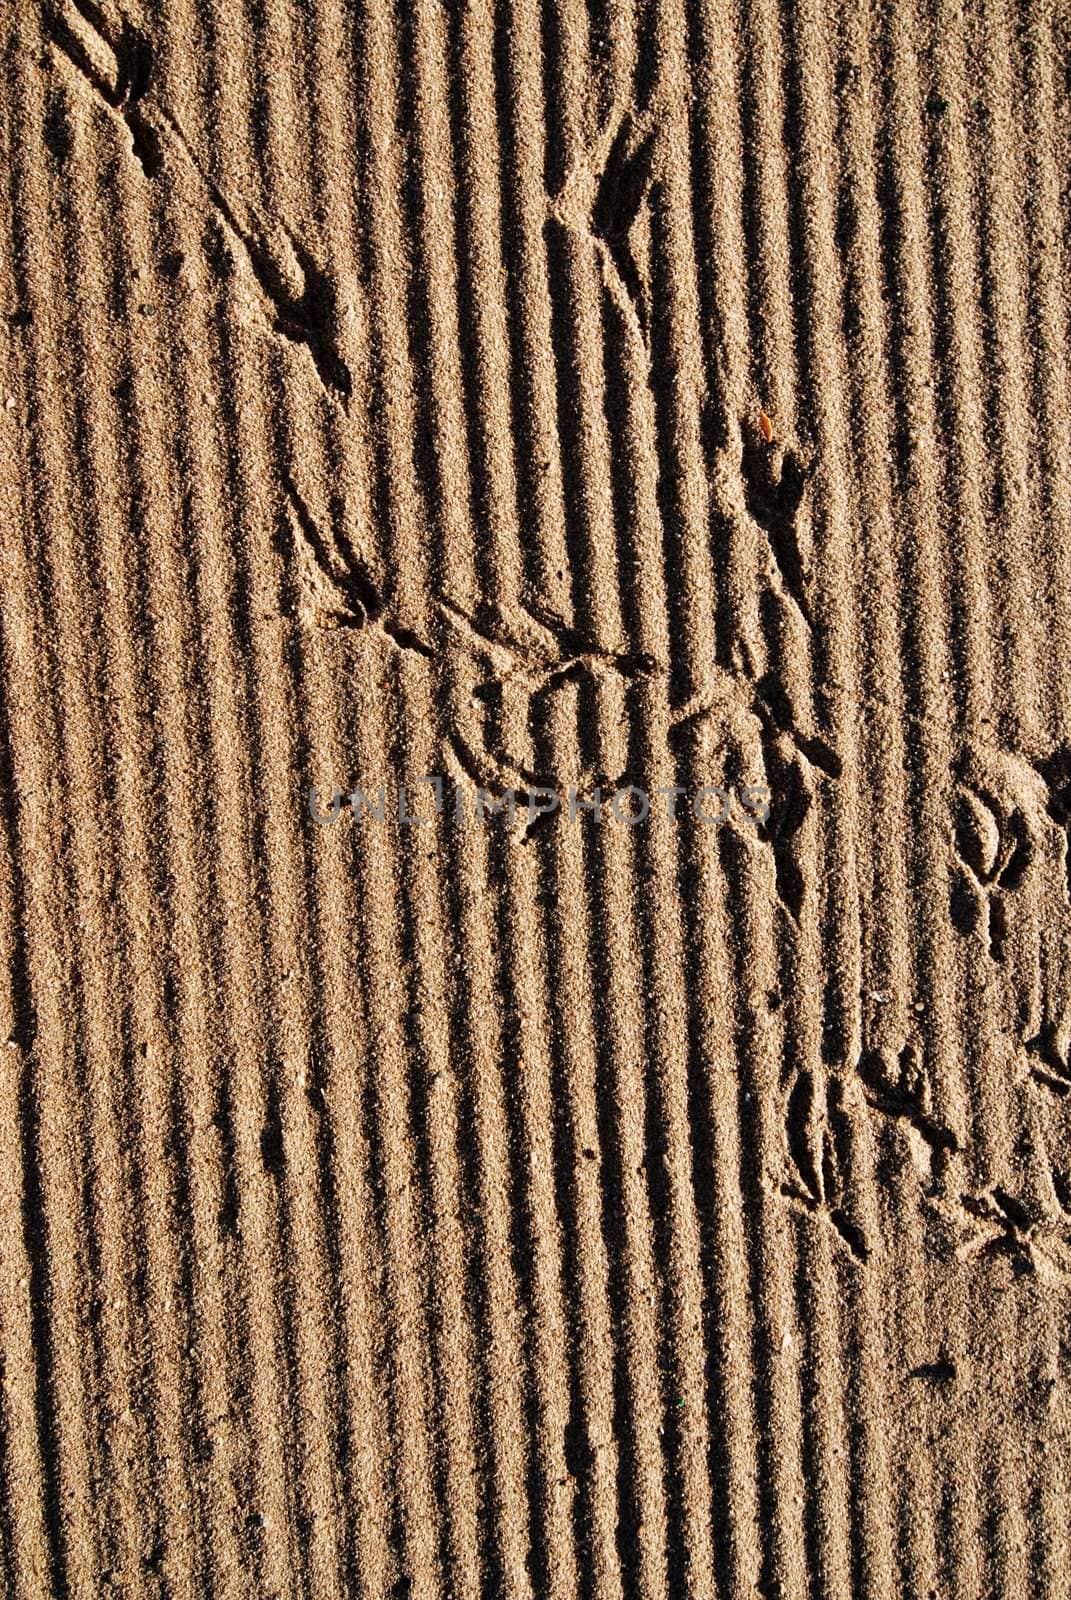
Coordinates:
x,y
817,1141
995,1222
995,847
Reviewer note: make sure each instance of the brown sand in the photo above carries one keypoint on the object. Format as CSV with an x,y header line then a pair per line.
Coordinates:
x,y
543,390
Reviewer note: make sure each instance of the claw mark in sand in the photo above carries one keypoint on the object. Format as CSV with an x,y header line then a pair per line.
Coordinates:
x,y
791,760
1050,1059
337,590
539,668
774,708
1056,774
775,478
118,63
602,200
997,1223
301,301
995,846
942,1370
622,187
786,777
504,782
783,826
817,1141
897,1087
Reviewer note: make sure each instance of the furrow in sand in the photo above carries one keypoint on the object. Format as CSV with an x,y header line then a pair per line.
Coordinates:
x,y
123,795
404,517
1002,124
46,1426
728,1021
498,573
465,498
543,561
993,128
591,1449
218,1021
804,1092
398,1206
888,1021
818,1110
339,1060
326,458
280,1118
67,1090
592,1453
447,1105
522,64
1042,38
354,1081
22,1505
562,282
1049,313
438,1060
483,1066
27,1477
643,1154
180,261
618,1164
1046,314
289,1120
925,423
655,388
35,1476
924,654
982,477
177,1165
753,959
653,1117
177,987
402,1223
606,339
837,667
763,1431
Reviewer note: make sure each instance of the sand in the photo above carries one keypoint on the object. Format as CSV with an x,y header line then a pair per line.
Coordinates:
x,y
544,396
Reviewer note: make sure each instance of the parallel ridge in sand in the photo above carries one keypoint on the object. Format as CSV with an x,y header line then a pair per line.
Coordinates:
x,y
561,393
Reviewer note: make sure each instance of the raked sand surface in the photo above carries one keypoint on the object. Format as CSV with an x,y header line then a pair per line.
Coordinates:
x,y
543,396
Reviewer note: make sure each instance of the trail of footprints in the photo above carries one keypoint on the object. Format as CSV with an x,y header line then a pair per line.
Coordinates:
x,y
820,1137
540,653
819,1134
301,302
1001,807
604,200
